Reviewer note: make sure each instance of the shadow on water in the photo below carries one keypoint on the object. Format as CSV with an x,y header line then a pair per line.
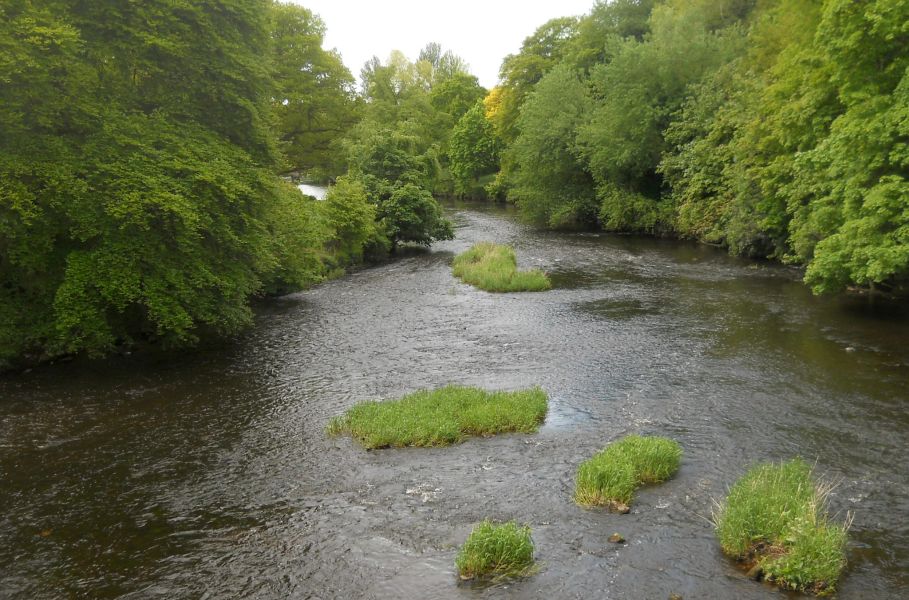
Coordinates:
x,y
209,473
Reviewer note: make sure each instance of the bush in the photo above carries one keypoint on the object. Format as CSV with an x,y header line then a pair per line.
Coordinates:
x,y
352,219
442,417
494,268
610,477
504,550
774,518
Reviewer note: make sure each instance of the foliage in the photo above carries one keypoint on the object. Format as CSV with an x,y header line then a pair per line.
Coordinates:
x,y
399,150
777,129
351,220
137,200
504,550
549,181
636,95
410,214
456,95
494,268
610,477
607,21
313,92
441,417
473,149
774,515
539,53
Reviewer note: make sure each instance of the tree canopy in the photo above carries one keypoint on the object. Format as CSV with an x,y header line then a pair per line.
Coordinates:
x,y
774,128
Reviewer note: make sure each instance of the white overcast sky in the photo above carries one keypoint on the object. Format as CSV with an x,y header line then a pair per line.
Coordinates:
x,y
481,32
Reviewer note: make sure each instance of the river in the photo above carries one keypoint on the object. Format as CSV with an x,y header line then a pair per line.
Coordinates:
x,y
208,474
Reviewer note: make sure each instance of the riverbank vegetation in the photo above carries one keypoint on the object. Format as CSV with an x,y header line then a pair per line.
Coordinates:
x,y
775,520
494,268
140,146
491,550
442,417
610,477
775,129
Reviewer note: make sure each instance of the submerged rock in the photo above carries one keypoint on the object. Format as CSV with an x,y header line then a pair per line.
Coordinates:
x,y
616,538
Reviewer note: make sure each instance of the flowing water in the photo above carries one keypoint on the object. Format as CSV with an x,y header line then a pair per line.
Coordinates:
x,y
209,475
316,191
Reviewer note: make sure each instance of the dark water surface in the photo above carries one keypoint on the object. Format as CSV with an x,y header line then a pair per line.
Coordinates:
x,y
209,475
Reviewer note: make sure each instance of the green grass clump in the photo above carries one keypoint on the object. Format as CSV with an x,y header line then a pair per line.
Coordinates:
x,y
611,476
775,519
494,268
441,417
491,550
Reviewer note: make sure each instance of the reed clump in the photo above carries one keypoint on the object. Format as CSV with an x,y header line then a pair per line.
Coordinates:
x,y
774,520
442,417
494,268
493,551
611,476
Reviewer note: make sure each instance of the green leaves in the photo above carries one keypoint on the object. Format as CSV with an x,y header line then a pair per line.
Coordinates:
x,y
779,130
550,182
137,199
473,149
314,98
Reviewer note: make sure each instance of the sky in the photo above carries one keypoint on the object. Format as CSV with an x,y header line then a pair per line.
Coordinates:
x,y
480,32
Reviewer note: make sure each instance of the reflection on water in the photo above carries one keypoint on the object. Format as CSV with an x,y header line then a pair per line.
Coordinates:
x,y
209,473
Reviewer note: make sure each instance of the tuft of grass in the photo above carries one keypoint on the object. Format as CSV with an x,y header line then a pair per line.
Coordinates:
x,y
441,417
494,268
491,550
775,519
611,476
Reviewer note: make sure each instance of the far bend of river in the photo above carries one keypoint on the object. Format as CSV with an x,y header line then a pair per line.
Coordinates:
x,y
209,475
316,191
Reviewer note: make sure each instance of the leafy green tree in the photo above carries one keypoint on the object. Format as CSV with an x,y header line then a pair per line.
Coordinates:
x,y
725,163
409,213
849,194
539,53
352,220
137,195
637,95
473,149
456,95
443,65
314,92
396,180
550,182
607,21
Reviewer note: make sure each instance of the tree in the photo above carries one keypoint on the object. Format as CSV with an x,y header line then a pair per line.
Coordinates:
x,y
409,213
396,180
549,181
637,96
456,95
473,149
138,200
352,220
539,53
314,92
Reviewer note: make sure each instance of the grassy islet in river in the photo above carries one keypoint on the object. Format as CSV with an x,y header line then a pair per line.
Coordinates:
x,y
491,550
611,476
494,268
441,417
774,518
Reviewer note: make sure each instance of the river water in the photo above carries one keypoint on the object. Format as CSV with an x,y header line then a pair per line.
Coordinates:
x,y
209,475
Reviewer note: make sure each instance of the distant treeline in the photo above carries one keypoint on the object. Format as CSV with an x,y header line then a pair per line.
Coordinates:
x,y
776,128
